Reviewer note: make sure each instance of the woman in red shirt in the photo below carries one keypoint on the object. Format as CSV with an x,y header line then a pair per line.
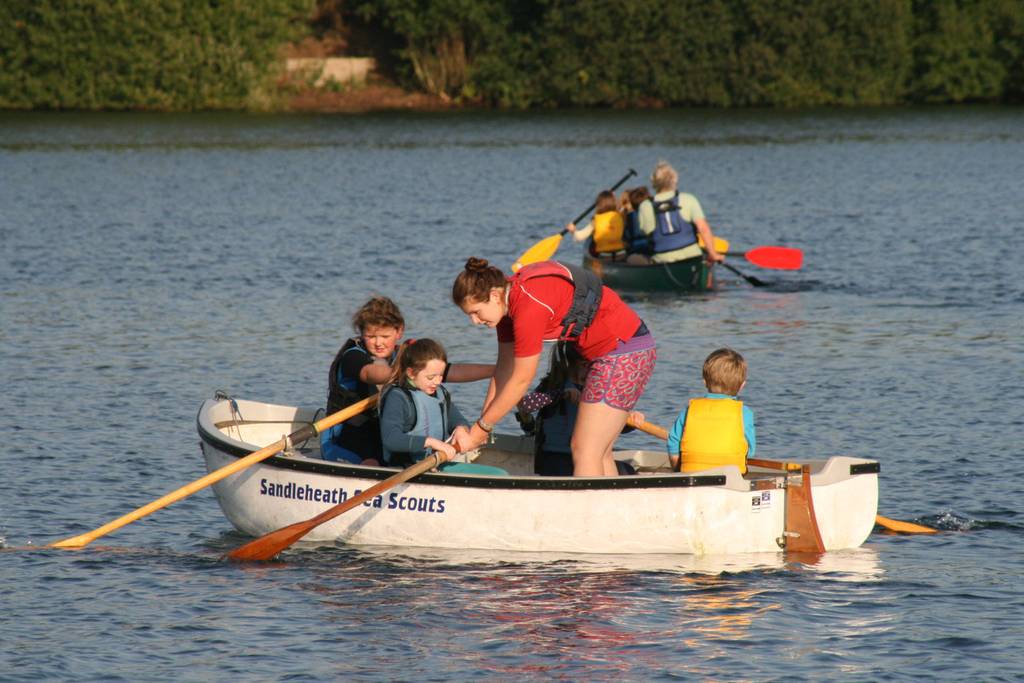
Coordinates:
x,y
550,301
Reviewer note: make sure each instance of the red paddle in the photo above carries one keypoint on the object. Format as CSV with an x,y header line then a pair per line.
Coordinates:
x,y
779,258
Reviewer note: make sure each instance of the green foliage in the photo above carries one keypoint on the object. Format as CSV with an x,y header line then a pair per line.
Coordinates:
x,y
141,54
955,53
714,52
442,37
199,54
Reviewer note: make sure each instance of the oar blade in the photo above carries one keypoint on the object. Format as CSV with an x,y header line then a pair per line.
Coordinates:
x,y
721,244
903,527
541,251
778,258
269,546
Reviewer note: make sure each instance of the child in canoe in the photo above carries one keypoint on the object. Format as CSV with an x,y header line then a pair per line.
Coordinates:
x,y
605,228
417,415
716,429
556,402
363,363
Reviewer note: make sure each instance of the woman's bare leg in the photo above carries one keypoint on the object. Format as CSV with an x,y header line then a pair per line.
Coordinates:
x,y
597,427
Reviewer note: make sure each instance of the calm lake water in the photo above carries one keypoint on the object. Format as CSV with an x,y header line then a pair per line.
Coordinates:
x,y
149,261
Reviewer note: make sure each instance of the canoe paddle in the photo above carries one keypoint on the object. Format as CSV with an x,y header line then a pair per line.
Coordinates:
x,y
307,432
757,282
267,546
546,248
884,522
777,258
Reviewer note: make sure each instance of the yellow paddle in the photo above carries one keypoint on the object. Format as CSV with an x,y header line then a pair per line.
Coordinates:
x,y
299,435
885,522
546,248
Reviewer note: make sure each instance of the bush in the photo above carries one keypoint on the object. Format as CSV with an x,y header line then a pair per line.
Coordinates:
x,y
142,54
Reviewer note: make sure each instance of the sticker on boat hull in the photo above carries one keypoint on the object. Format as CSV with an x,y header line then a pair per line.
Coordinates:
x,y
761,501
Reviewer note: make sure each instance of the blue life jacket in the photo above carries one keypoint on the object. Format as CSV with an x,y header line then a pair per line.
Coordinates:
x,y
636,241
556,422
432,420
672,231
343,391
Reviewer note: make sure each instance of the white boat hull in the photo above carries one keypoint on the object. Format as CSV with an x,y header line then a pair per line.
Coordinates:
x,y
706,513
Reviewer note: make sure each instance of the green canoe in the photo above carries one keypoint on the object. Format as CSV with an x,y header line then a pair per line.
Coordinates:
x,y
691,275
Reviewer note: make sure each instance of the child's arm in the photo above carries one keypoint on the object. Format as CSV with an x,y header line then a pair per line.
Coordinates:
x,y
675,437
377,371
580,234
444,447
535,400
749,431
469,372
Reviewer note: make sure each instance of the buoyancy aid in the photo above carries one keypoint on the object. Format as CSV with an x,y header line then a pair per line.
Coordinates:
x,y
634,238
432,419
608,227
713,435
555,423
671,231
343,393
586,299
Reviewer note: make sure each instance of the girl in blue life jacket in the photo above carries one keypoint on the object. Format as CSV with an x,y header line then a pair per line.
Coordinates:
x,y
556,402
417,415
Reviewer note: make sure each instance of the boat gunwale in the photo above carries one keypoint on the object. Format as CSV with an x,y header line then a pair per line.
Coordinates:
x,y
316,466
220,442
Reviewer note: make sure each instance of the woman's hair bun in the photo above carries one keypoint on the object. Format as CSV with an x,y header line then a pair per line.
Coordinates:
x,y
474,264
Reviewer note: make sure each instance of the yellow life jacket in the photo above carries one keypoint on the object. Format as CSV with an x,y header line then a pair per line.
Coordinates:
x,y
713,435
608,228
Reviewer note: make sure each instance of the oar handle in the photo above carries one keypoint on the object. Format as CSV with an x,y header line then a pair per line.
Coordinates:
x,y
774,464
632,172
652,429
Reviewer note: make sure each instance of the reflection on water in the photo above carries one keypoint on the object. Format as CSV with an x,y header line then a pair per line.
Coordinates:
x,y
611,614
855,564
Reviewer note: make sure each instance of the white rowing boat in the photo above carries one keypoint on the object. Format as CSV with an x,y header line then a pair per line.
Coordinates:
x,y
718,511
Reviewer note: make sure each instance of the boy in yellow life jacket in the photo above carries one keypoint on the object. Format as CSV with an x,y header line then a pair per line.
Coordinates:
x,y
716,429
606,228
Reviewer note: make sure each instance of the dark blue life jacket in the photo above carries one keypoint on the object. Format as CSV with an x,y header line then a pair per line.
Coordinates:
x,y
344,391
636,241
672,231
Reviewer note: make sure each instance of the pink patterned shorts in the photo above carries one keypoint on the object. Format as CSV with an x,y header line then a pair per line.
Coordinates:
x,y
619,380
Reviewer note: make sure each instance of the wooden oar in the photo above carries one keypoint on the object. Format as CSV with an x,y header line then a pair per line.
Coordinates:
x,y
546,248
306,432
266,547
903,527
885,522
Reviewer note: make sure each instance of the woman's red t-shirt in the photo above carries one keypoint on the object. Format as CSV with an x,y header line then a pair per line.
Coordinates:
x,y
536,308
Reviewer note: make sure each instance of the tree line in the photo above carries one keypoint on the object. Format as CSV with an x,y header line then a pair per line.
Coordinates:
x,y
195,54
